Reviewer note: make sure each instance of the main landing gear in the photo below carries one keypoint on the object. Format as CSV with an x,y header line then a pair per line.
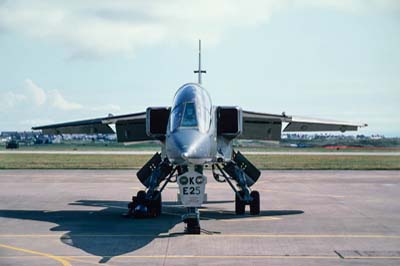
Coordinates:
x,y
254,203
245,174
147,203
145,207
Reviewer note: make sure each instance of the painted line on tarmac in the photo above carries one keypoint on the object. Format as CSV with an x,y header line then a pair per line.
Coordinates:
x,y
260,235
243,257
374,257
80,257
75,258
245,219
63,262
85,261
191,257
203,217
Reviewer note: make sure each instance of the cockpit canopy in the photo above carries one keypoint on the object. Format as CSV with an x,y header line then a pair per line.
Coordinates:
x,y
191,109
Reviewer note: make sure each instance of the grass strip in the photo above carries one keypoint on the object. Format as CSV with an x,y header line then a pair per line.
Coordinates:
x,y
273,162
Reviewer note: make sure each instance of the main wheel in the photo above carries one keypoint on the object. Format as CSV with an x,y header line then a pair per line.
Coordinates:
x,y
255,203
141,208
141,197
240,205
132,205
155,204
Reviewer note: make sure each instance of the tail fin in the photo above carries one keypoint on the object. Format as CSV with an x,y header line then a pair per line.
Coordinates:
x,y
199,71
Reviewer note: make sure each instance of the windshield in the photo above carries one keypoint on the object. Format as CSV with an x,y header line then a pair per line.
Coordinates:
x,y
191,108
188,115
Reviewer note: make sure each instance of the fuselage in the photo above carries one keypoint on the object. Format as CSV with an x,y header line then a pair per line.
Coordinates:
x,y
191,131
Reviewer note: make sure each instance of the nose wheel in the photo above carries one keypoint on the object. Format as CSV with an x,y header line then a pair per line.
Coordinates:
x,y
192,221
192,226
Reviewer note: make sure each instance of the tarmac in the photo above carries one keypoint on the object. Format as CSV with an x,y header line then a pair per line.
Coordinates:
x,y
73,217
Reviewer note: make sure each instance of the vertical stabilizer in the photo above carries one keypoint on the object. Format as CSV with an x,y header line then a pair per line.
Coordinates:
x,y
199,71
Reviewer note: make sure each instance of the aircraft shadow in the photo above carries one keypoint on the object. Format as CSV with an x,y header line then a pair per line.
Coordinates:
x,y
106,234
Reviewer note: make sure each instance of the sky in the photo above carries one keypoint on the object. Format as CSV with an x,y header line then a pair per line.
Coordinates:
x,y
70,60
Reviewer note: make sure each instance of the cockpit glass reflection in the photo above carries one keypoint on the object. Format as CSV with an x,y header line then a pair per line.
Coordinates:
x,y
176,117
189,116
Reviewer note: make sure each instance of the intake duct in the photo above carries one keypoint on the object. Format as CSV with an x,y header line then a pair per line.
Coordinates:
x,y
240,165
229,121
156,168
157,122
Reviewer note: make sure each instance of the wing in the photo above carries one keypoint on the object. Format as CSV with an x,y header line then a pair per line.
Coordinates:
x,y
129,127
265,126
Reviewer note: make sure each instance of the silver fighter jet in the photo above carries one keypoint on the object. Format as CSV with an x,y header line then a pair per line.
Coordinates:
x,y
194,134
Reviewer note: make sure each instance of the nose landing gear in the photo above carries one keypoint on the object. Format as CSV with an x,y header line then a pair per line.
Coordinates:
x,y
192,221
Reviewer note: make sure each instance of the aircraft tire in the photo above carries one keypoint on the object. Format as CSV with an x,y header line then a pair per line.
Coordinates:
x,y
156,205
140,197
193,227
132,205
240,205
255,203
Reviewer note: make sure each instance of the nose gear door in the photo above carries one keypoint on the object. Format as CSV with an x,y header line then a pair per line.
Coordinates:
x,y
192,187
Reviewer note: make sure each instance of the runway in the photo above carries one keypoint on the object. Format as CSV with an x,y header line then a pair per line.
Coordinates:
x,y
72,217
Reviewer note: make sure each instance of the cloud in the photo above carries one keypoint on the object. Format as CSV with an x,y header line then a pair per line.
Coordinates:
x,y
107,108
52,98
10,99
58,101
37,93
89,28
40,97
353,6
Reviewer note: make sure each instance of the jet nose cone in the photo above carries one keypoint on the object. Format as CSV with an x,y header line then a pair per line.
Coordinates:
x,y
189,146
182,144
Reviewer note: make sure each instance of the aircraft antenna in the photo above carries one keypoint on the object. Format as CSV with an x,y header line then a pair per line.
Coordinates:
x,y
200,71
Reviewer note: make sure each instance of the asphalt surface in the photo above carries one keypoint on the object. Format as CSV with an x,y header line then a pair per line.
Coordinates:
x,y
346,153
73,217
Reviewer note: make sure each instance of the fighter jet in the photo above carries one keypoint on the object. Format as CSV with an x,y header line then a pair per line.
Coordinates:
x,y
194,134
